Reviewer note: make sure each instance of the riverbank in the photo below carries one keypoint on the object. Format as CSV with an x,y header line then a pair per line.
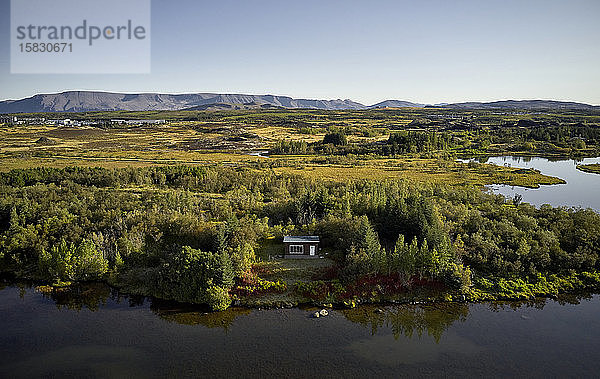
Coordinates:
x,y
391,290
591,168
288,289
576,193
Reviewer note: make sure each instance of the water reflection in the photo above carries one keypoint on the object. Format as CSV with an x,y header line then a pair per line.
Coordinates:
x,y
434,320
108,334
95,296
406,321
188,314
87,295
410,320
539,302
577,192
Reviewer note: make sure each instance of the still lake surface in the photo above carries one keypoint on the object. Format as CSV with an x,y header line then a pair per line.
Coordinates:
x,y
95,332
581,190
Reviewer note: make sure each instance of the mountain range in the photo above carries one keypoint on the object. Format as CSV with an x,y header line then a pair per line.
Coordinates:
x,y
89,101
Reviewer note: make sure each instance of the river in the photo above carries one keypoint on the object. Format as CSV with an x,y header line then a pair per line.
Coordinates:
x,y
93,331
581,190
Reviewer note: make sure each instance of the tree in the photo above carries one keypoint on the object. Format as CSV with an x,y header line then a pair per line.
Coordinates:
x,y
90,264
336,138
218,298
242,258
67,262
58,263
422,261
225,273
188,274
405,257
220,239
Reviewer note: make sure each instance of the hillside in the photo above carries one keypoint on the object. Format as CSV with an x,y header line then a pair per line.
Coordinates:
x,y
90,101
524,104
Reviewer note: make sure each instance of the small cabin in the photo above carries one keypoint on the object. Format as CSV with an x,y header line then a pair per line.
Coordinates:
x,y
301,246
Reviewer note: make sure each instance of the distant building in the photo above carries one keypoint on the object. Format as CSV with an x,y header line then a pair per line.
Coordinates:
x,y
301,246
69,122
146,122
8,119
137,122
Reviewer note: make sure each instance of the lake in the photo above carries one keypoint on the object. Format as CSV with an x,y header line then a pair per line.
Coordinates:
x,y
93,331
581,190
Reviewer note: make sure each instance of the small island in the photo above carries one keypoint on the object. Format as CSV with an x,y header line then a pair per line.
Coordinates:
x,y
592,168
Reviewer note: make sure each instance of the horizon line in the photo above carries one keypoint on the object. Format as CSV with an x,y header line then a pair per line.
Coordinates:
x,y
296,98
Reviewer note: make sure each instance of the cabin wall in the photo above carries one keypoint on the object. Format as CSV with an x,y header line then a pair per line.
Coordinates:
x,y
306,245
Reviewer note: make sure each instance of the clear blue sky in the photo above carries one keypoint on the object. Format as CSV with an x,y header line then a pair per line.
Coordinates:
x,y
368,51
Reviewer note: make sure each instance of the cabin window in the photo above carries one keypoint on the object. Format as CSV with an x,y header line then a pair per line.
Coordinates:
x,y
296,249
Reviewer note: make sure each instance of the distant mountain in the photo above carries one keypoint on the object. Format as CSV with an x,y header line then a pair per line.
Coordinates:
x,y
89,101
396,104
523,104
228,106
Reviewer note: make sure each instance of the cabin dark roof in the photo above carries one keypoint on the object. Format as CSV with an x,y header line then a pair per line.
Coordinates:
x,y
300,239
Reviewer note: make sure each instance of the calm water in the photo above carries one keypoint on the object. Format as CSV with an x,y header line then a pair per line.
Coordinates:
x,y
97,333
582,189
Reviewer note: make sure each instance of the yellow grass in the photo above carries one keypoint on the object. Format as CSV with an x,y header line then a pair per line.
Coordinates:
x,y
147,146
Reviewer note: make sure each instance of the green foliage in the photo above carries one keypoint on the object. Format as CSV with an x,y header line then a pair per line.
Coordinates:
x,y
218,298
251,284
336,138
418,142
58,263
403,258
593,168
458,277
90,264
291,147
179,230
497,288
67,262
319,290
242,258
187,274
366,255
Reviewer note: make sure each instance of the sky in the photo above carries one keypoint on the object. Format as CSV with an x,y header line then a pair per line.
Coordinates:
x,y
423,51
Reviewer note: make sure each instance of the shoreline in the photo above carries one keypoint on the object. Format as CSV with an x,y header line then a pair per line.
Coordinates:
x,y
593,168
558,286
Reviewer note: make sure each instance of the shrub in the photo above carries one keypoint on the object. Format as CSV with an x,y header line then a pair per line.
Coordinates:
x,y
457,277
67,262
187,274
90,264
218,298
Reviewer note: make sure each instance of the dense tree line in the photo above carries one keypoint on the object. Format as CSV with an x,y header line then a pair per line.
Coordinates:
x,y
523,138
418,142
187,233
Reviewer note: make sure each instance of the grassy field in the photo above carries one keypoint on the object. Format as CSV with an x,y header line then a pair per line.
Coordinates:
x,y
192,144
424,170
